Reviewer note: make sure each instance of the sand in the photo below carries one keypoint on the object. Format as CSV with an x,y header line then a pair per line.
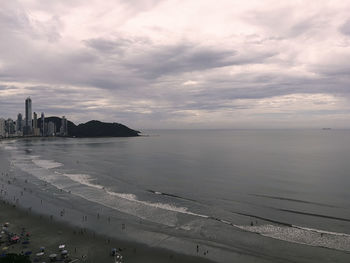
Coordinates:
x,y
83,245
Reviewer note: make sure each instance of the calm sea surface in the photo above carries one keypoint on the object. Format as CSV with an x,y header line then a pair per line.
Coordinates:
x,y
217,188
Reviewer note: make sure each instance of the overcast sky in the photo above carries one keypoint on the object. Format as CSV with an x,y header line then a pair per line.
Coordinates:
x,y
179,63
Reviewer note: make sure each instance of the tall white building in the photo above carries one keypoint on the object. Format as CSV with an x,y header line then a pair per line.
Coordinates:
x,y
51,129
64,127
28,120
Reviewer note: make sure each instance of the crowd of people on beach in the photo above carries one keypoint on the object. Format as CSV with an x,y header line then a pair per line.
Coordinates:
x,y
17,247
19,244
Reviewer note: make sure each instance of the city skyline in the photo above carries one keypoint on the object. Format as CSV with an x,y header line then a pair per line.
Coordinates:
x,y
179,64
31,125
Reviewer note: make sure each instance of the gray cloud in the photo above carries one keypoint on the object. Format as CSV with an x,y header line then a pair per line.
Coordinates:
x,y
128,61
345,28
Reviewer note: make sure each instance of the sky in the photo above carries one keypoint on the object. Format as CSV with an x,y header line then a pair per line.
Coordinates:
x,y
179,63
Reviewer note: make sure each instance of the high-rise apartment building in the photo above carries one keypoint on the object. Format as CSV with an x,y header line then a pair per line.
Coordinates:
x,y
28,120
19,122
10,128
51,129
64,127
19,125
36,130
43,130
2,128
35,120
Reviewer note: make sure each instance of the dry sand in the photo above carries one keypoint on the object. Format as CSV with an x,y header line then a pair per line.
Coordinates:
x,y
81,244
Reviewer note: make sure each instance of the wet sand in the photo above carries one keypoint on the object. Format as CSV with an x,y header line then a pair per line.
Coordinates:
x,y
83,245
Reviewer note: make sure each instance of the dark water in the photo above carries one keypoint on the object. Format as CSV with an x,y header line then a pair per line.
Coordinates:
x,y
206,186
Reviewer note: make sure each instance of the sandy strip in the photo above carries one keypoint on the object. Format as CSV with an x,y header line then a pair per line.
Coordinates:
x,y
83,245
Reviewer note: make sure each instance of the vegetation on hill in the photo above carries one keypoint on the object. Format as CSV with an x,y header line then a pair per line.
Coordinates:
x,y
93,128
100,129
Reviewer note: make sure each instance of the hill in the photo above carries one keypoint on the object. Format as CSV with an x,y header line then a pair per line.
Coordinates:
x,y
93,128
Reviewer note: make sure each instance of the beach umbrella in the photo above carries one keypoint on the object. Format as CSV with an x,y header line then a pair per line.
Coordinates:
x,y
40,254
64,252
5,248
15,238
42,249
61,247
53,256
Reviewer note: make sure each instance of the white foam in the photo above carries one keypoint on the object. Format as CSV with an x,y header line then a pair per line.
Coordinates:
x,y
322,231
303,235
85,179
7,147
46,164
125,202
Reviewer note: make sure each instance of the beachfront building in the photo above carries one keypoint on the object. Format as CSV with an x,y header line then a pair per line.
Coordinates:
x,y
28,120
51,129
64,127
19,125
36,130
43,130
2,128
10,128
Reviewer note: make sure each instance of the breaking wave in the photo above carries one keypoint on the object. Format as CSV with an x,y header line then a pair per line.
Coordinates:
x,y
303,235
46,164
85,179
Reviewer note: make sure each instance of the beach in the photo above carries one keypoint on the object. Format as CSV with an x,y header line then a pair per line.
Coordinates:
x,y
82,244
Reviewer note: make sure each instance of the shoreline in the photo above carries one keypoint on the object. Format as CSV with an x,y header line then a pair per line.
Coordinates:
x,y
51,231
82,244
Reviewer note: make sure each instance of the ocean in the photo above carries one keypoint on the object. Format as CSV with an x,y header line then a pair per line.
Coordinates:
x,y
248,195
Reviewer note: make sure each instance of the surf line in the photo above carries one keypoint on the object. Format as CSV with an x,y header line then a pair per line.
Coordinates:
x,y
315,215
170,195
264,218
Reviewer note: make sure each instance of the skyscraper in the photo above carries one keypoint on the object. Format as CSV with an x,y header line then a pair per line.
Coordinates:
x,y
10,128
35,121
36,130
43,132
64,127
51,129
19,125
28,121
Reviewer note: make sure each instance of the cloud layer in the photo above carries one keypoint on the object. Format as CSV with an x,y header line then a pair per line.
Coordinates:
x,y
177,63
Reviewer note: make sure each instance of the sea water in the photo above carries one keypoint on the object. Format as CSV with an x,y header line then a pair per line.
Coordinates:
x,y
236,190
